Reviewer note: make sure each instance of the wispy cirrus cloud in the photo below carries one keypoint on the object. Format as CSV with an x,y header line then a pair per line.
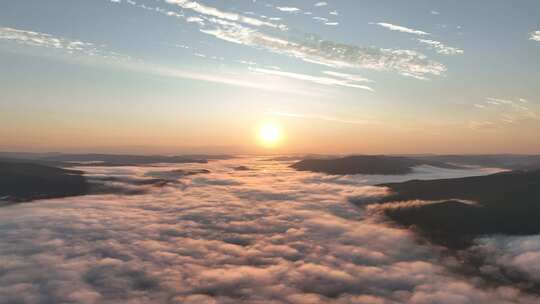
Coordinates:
x,y
198,20
213,77
325,21
312,49
321,117
347,76
482,125
321,3
32,38
441,48
214,12
535,36
288,9
257,33
314,79
252,32
276,38
403,29
91,50
45,40
507,111
498,101
321,19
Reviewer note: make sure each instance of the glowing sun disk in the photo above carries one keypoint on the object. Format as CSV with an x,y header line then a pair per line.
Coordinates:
x,y
269,135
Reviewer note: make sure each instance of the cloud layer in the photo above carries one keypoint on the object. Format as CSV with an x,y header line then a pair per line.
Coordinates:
x,y
535,36
505,112
37,39
516,257
345,81
278,39
262,32
263,235
403,29
440,47
331,54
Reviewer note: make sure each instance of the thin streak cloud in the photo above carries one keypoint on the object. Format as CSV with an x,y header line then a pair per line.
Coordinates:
x,y
346,76
31,38
535,36
507,111
310,48
441,48
226,79
90,50
214,12
332,54
402,29
315,79
288,9
321,117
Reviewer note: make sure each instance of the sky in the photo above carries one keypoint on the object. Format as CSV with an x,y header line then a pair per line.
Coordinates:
x,y
175,76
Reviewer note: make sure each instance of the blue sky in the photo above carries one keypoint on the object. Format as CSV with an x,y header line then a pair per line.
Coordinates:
x,y
337,76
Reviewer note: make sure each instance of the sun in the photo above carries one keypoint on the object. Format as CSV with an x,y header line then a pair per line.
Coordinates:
x,y
269,135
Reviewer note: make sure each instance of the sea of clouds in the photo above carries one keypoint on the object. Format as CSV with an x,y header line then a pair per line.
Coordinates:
x,y
264,235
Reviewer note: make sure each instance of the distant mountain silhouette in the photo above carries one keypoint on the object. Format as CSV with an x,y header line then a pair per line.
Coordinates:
x,y
505,161
508,203
241,168
175,174
122,159
366,164
94,159
299,157
21,182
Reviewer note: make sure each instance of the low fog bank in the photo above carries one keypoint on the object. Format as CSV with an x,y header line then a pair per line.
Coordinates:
x,y
264,234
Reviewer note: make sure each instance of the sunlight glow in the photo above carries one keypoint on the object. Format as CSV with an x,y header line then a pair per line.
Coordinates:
x,y
269,135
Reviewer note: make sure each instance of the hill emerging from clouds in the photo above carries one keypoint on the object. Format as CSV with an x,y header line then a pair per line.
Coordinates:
x,y
367,164
453,212
27,181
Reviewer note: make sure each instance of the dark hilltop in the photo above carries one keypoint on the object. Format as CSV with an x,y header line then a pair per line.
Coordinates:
x,y
367,164
31,176
21,182
466,208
